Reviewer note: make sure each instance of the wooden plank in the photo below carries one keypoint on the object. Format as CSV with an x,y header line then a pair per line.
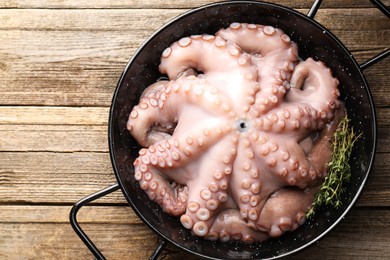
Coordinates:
x,y
54,115
58,241
362,19
53,138
161,4
44,232
40,239
352,240
60,214
377,189
46,177
63,68
378,78
77,20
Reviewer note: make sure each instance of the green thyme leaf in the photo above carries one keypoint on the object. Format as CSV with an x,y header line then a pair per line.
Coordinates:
x,y
339,170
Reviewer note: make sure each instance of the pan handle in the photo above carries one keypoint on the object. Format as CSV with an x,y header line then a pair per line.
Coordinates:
x,y
83,236
374,59
73,218
314,8
381,7
378,4
316,5
158,250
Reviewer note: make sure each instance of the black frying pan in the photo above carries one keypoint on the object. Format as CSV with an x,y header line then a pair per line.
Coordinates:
x,y
313,41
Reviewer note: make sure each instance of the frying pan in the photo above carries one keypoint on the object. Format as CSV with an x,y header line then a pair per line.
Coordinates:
x,y
313,40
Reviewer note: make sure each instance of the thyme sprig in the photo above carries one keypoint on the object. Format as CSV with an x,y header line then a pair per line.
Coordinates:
x,y
339,170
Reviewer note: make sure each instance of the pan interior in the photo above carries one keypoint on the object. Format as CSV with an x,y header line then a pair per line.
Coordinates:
x,y
313,41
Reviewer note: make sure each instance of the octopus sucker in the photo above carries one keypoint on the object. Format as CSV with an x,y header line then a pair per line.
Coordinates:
x,y
237,140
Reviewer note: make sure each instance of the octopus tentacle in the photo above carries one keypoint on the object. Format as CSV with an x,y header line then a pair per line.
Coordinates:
x,y
199,53
229,225
295,168
257,39
296,120
284,211
312,82
209,192
274,55
156,115
146,123
321,152
247,187
199,91
241,101
169,156
283,160
157,187
274,78
300,166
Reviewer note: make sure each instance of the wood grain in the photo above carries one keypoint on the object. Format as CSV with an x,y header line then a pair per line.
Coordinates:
x,y
60,214
71,62
58,241
68,177
162,4
53,138
47,177
23,115
60,61
129,238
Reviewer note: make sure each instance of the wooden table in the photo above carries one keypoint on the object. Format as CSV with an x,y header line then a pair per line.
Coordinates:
x,y
59,64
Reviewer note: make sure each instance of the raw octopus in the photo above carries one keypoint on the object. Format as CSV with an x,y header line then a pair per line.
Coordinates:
x,y
237,141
